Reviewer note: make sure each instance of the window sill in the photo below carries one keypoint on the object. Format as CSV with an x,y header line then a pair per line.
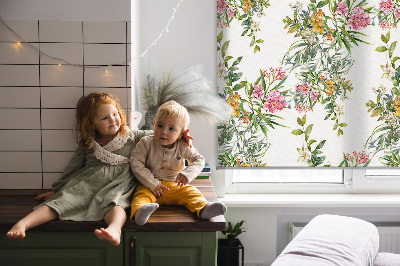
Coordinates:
x,y
311,200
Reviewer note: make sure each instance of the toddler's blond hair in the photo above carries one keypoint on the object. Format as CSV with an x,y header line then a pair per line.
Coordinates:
x,y
175,110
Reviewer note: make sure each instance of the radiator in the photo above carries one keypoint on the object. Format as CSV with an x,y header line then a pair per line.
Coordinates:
x,y
389,235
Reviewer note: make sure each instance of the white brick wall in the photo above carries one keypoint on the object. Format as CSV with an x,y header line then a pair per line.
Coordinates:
x,y
38,97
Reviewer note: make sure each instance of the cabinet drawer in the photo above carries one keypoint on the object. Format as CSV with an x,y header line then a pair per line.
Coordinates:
x,y
170,248
61,249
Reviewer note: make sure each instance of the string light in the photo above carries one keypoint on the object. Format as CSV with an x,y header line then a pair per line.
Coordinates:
x,y
84,66
164,30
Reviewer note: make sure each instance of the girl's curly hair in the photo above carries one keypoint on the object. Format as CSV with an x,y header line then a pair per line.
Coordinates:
x,y
86,108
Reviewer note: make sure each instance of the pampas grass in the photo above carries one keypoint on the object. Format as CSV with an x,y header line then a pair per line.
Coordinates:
x,y
191,89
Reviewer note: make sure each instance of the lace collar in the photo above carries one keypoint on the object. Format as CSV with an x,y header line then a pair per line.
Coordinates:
x,y
105,154
117,143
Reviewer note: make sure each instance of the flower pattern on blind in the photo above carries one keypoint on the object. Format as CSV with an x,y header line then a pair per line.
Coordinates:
x,y
311,83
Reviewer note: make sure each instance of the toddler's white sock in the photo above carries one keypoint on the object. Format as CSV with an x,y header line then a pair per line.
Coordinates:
x,y
144,212
213,209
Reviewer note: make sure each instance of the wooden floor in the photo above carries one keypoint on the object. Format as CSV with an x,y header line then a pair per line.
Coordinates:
x,y
15,204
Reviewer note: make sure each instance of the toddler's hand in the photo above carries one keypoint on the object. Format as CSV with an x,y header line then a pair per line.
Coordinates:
x,y
187,137
181,180
159,190
45,196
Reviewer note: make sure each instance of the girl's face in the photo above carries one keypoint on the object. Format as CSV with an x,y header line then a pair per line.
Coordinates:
x,y
167,131
107,121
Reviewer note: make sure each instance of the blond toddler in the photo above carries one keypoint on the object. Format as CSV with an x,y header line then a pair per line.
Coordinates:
x,y
158,162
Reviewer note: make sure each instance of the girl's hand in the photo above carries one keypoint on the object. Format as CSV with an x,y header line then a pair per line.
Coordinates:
x,y
45,196
187,137
181,180
159,190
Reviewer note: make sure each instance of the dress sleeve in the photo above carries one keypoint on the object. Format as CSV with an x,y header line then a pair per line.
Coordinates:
x,y
76,163
195,160
138,165
139,134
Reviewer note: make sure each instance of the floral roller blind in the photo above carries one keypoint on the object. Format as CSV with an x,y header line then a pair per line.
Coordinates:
x,y
311,83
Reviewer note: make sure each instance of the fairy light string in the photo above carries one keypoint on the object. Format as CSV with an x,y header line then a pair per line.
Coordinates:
x,y
164,30
41,53
65,62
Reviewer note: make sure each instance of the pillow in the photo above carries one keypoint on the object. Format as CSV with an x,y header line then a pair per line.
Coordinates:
x,y
333,240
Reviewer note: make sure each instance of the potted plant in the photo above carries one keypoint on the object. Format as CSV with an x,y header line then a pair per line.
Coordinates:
x,y
228,249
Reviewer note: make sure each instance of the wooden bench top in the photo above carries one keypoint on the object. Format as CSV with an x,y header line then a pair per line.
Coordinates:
x,y
15,204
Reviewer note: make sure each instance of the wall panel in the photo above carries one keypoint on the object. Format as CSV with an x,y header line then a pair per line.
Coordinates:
x,y
41,79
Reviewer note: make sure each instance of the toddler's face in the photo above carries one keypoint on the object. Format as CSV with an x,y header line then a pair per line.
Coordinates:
x,y
107,121
167,131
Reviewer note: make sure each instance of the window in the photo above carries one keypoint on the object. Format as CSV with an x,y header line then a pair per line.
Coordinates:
x,y
322,180
377,180
382,172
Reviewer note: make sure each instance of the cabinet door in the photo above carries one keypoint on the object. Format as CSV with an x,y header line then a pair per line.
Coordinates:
x,y
61,249
170,248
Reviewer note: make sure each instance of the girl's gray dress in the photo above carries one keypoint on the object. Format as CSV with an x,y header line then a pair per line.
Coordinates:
x,y
96,180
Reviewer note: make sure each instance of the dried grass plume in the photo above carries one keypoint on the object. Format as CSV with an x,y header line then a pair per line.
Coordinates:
x,y
190,89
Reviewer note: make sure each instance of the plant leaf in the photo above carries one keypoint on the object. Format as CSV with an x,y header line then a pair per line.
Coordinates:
x,y
320,145
386,38
377,111
237,61
294,28
348,35
224,48
297,132
220,36
391,48
303,120
308,131
321,4
381,49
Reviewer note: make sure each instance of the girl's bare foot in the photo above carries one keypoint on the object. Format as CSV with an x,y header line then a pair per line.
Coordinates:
x,y
17,231
110,234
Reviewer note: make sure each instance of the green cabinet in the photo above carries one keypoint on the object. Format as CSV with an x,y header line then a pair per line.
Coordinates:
x,y
136,249
172,236
59,248
170,248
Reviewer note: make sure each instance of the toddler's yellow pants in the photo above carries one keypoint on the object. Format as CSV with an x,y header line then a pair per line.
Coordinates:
x,y
187,196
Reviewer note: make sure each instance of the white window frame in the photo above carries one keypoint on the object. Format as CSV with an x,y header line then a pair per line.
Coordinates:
x,y
375,184
355,181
